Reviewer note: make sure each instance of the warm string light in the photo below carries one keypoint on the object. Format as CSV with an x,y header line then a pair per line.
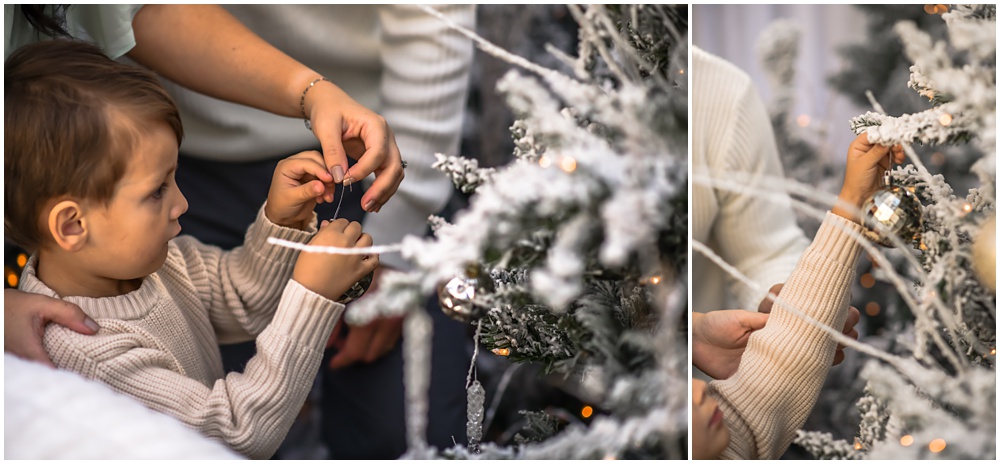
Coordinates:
x,y
935,9
803,120
11,276
945,119
568,164
872,308
967,208
867,280
22,259
857,444
937,158
586,412
993,352
651,280
937,445
544,161
680,71
906,440
501,351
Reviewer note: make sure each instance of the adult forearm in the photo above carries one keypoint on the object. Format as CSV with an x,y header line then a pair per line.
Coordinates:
x,y
205,48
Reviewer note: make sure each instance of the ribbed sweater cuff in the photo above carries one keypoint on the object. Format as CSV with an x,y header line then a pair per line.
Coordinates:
x,y
263,228
305,316
836,239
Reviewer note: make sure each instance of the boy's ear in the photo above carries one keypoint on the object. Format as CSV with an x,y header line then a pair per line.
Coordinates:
x,y
67,225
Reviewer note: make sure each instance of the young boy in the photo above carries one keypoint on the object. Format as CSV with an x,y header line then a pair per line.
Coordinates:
x,y
755,413
90,151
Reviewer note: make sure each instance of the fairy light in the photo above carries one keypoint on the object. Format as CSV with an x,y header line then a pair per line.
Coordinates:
x,y
993,352
937,158
906,440
945,119
501,351
867,280
857,443
930,9
872,308
586,412
937,445
923,246
967,208
681,71
803,120
22,259
544,161
568,164
610,457
11,276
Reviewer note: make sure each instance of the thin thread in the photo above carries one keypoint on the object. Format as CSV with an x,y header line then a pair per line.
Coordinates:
x,y
475,354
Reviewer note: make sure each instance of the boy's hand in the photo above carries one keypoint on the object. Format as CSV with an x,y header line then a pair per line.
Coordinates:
x,y
866,166
299,183
331,275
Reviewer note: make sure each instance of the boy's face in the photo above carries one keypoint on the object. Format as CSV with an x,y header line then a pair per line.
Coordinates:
x,y
709,434
130,233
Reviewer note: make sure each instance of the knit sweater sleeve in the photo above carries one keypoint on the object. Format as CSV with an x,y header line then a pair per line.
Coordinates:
x,y
785,363
423,88
251,412
757,235
240,288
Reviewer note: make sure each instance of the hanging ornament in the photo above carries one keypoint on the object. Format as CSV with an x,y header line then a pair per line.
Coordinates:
x,y
359,288
898,211
457,297
984,254
476,397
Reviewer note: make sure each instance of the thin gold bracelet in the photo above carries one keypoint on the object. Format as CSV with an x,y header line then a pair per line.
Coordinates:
x,y
302,101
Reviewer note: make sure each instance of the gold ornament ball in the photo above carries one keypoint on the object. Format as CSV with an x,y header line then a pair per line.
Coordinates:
x,y
984,254
898,210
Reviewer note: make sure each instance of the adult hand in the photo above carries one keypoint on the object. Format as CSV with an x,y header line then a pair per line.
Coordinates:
x,y
866,166
369,342
345,128
25,316
853,316
719,338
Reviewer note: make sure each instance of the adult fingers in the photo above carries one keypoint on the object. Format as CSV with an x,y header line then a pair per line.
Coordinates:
x,y
853,317
67,315
754,321
766,304
355,348
384,339
330,137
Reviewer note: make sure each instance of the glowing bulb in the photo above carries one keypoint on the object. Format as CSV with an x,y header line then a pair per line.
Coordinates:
x,y
544,162
802,120
945,119
941,8
906,440
857,443
923,247
937,445
930,9
993,352
872,308
501,351
867,280
568,164
680,72
937,158
967,207
586,412
12,279
22,259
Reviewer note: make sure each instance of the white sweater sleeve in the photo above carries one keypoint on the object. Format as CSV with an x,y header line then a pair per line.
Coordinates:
x,y
760,237
423,91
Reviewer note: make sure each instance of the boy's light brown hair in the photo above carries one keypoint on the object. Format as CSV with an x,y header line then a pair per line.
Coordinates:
x,y
71,119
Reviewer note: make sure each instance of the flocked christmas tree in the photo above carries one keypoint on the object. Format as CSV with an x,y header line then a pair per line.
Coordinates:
x,y
933,394
573,255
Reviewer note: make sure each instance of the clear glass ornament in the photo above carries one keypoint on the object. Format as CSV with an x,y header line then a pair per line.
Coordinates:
x,y
898,211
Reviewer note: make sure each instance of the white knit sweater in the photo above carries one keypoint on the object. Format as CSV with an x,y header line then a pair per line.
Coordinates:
x,y
159,344
731,132
396,60
785,363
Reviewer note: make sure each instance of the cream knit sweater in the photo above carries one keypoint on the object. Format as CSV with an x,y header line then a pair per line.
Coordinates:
x,y
785,363
159,344
731,132
396,60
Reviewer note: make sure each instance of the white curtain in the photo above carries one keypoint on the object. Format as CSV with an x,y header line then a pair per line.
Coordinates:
x,y
731,32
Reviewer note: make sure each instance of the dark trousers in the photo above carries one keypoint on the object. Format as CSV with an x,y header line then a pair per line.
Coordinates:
x,y
362,414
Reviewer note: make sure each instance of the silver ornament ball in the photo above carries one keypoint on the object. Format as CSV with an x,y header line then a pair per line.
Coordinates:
x,y
357,290
898,210
457,296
